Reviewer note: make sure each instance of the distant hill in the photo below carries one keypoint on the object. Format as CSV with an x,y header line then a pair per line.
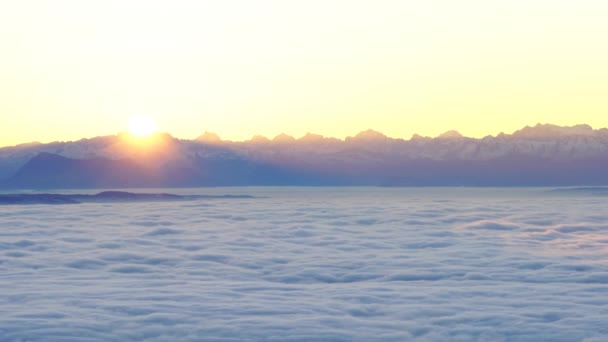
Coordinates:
x,y
106,196
542,155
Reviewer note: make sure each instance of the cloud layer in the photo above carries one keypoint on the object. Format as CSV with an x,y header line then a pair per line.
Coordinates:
x,y
310,264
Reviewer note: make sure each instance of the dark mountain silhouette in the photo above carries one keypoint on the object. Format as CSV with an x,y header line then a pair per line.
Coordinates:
x,y
106,196
48,170
542,155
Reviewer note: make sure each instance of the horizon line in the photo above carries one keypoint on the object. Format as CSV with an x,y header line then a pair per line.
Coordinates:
x,y
213,136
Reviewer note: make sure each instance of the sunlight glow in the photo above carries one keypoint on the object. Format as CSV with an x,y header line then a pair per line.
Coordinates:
x,y
242,68
142,126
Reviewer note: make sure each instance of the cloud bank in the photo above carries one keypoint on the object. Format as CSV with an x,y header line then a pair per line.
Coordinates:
x,y
310,265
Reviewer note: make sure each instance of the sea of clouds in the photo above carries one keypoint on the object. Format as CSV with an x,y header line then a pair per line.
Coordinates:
x,y
298,264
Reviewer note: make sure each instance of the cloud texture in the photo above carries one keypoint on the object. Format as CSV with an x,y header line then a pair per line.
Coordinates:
x,y
309,265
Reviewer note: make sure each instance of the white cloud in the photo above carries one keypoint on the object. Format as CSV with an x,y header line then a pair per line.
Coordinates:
x,y
309,265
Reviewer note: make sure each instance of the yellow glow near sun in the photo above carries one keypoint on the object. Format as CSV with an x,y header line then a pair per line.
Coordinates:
x,y
260,67
142,126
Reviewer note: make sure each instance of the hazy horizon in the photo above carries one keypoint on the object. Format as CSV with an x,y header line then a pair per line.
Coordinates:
x,y
344,138
546,155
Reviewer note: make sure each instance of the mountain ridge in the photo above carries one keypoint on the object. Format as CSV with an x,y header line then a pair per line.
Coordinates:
x,y
539,131
576,154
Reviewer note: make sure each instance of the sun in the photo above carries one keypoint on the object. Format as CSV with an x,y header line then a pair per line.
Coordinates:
x,y
142,126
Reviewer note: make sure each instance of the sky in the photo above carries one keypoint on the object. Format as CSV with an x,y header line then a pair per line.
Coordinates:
x,y
74,69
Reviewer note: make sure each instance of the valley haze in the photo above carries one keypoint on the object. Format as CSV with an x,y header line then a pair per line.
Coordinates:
x,y
541,155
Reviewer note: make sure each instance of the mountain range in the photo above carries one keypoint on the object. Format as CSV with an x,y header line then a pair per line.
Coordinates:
x,y
541,155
